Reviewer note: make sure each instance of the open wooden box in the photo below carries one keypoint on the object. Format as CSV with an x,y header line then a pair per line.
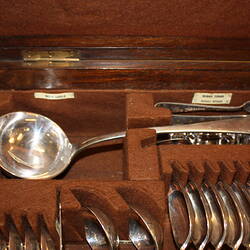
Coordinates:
x,y
119,58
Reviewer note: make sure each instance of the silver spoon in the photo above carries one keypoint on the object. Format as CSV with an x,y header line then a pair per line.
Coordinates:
x,y
199,222
243,208
139,236
152,226
107,227
181,215
235,231
214,217
246,190
94,235
34,147
186,107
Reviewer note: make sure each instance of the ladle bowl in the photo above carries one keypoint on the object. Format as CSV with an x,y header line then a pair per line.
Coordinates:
x,y
34,147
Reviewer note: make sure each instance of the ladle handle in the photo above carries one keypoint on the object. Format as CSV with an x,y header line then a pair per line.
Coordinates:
x,y
99,139
237,125
186,107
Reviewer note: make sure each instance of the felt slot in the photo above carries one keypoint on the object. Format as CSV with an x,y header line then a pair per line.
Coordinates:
x,y
141,160
114,199
152,199
208,162
100,195
208,165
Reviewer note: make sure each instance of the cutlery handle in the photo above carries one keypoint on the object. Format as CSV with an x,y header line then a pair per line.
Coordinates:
x,y
186,107
187,119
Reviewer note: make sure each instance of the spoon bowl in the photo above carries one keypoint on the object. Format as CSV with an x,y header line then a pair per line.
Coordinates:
x,y
215,218
181,215
199,222
234,235
153,227
139,236
107,227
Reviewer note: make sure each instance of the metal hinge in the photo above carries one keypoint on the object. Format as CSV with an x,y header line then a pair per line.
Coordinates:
x,y
50,57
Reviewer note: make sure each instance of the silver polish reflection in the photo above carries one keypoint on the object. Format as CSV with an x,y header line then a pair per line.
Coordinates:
x,y
32,145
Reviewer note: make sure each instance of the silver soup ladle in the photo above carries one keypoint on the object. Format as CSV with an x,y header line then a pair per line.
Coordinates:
x,y
34,147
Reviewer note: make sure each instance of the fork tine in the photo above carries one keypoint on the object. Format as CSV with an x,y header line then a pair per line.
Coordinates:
x,y
30,241
15,241
46,242
3,242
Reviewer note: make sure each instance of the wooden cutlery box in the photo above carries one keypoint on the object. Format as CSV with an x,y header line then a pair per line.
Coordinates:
x,y
97,67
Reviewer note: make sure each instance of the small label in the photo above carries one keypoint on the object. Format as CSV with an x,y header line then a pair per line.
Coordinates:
x,y
212,98
59,96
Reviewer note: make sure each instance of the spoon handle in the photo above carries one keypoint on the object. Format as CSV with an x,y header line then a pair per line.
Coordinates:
x,y
186,107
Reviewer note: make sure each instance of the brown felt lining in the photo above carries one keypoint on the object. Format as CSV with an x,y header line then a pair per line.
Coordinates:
x,y
114,176
134,18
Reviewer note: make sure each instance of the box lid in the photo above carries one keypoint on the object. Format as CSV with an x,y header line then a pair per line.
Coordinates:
x,y
125,44
189,18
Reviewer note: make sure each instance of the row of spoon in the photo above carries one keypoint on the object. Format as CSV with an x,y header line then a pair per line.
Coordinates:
x,y
145,233
218,214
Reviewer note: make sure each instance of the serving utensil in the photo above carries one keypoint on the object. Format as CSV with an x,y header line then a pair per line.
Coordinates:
x,y
176,107
34,147
187,119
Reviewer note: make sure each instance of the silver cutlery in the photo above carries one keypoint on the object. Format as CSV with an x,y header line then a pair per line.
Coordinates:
x,y
46,241
186,107
58,223
109,231
181,215
187,119
30,241
199,220
153,227
34,147
139,236
15,241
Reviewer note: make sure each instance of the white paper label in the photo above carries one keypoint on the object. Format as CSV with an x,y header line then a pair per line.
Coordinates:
x,y
212,98
59,96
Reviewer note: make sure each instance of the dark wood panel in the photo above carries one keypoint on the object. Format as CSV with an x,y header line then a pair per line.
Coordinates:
x,y
149,79
125,41
139,53
186,65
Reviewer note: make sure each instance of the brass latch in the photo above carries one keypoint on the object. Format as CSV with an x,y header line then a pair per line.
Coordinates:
x,y
50,57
